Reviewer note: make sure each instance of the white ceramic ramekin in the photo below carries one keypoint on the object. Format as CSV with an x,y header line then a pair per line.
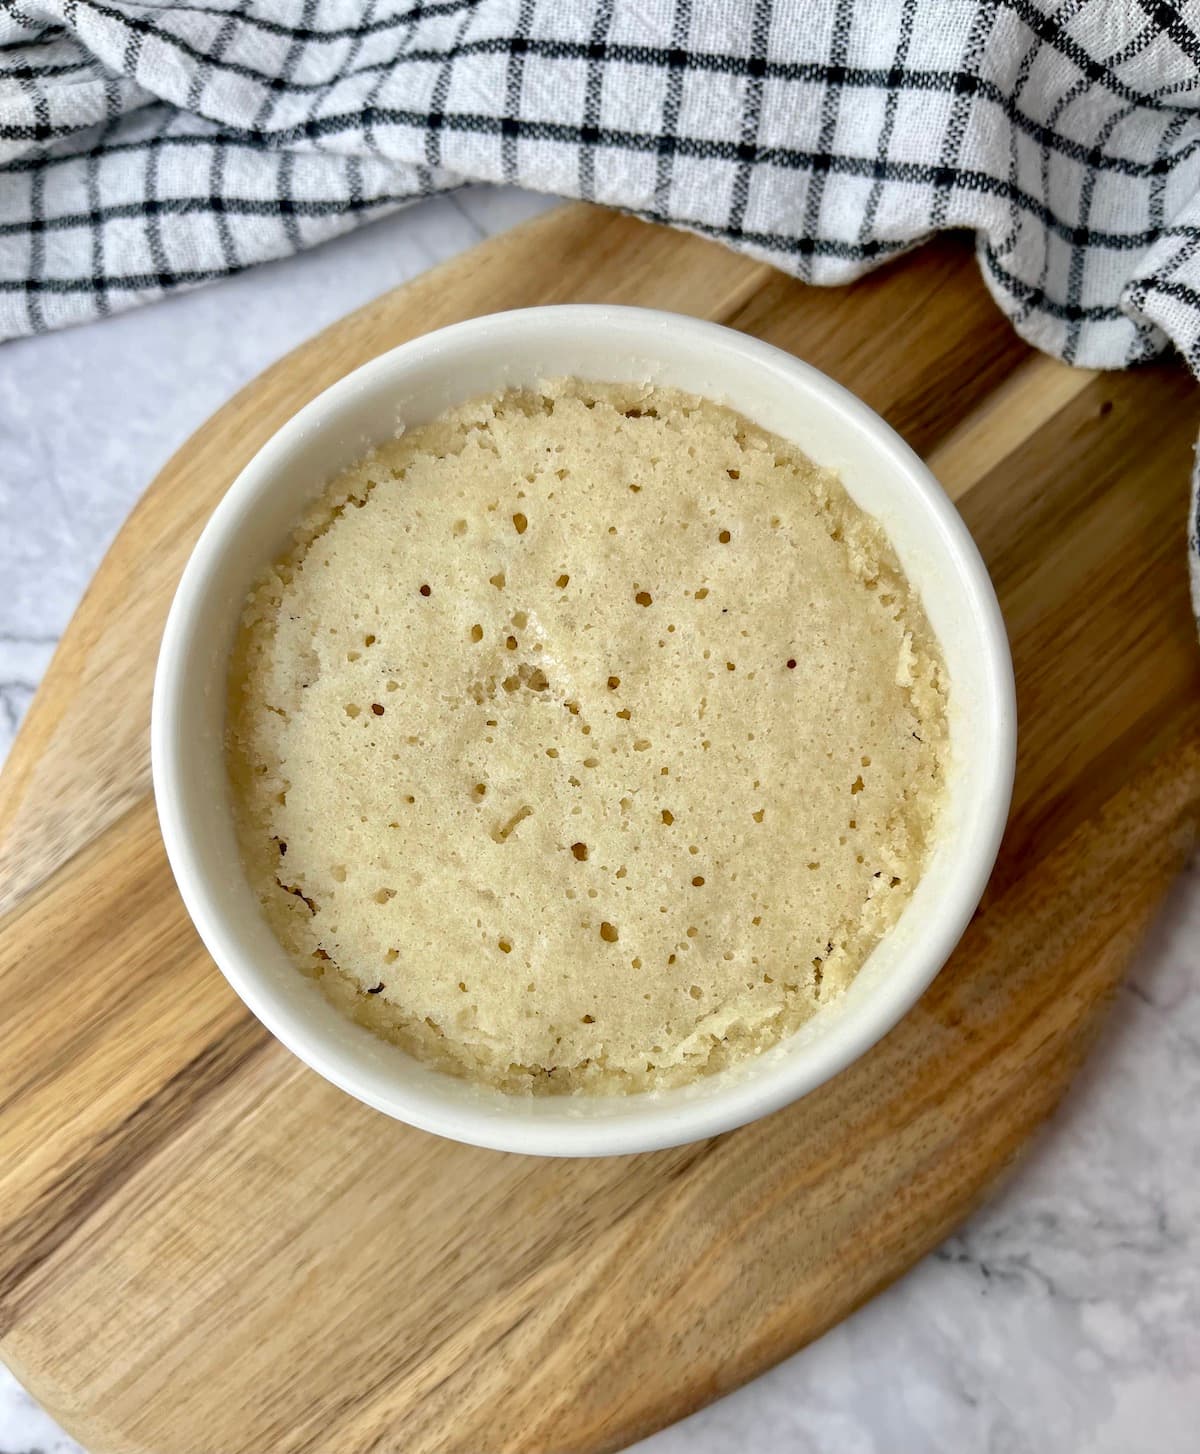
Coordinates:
x,y
251,526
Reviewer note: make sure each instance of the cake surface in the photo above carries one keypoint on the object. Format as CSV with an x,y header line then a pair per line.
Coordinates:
x,y
588,739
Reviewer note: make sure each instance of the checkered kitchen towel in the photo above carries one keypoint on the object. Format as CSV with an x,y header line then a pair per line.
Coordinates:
x,y
147,147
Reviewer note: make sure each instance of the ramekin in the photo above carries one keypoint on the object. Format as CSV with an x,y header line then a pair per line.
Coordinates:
x,y
251,526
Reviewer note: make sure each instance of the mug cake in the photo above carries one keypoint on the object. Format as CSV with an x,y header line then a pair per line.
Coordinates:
x,y
587,739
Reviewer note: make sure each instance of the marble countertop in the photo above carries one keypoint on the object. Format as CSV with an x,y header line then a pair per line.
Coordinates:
x,y
1064,1316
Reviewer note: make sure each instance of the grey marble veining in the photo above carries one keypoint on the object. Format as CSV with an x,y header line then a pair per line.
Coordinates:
x,y
1064,1316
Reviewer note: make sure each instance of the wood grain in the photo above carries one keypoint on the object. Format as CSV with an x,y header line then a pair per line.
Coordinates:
x,y
206,1249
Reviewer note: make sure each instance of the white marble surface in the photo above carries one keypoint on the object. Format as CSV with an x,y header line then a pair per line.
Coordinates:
x,y
1065,1316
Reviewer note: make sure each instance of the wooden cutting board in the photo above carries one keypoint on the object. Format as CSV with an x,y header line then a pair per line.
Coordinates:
x,y
205,1249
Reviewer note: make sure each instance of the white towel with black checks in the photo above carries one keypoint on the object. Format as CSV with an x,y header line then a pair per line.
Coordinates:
x,y
149,147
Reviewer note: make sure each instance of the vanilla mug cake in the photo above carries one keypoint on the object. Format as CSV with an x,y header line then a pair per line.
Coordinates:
x,y
587,740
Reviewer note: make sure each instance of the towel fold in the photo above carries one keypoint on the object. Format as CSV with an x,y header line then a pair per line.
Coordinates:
x,y
150,147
